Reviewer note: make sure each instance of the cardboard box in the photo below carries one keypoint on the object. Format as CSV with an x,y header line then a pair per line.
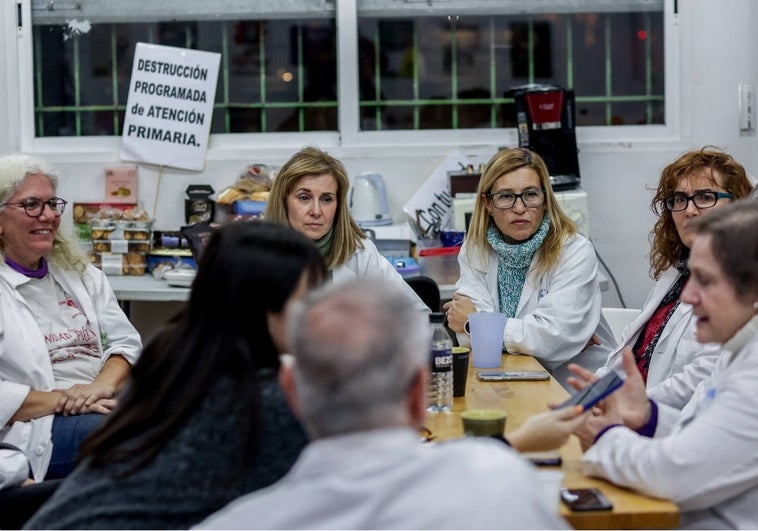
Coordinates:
x,y
121,183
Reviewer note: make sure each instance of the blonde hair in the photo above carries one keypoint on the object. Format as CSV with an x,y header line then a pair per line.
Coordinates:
x,y
313,161
14,169
561,227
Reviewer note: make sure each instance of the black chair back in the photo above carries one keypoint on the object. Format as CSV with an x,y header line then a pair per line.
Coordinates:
x,y
427,290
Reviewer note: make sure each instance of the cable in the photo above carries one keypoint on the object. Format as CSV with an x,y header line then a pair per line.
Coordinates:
x,y
610,274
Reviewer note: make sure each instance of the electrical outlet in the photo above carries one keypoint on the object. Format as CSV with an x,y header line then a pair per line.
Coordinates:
x,y
747,107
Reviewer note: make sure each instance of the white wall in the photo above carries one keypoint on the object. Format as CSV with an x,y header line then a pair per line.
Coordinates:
x,y
716,43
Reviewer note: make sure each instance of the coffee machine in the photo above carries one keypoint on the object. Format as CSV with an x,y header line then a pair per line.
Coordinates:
x,y
546,120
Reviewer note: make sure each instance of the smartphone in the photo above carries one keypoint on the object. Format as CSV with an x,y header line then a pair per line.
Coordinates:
x,y
585,500
508,376
549,458
593,393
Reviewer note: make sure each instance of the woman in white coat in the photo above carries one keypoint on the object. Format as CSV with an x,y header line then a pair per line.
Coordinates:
x,y
662,337
309,194
65,345
704,456
523,257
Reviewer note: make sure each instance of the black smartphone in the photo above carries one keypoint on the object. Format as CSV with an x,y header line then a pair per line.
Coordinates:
x,y
550,458
589,499
510,376
593,393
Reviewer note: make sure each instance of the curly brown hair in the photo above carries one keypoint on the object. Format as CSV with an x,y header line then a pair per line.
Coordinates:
x,y
724,172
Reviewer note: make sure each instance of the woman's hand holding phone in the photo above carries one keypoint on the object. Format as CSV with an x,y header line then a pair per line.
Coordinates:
x,y
631,396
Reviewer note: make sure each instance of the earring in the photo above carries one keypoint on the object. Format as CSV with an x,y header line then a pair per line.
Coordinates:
x,y
755,306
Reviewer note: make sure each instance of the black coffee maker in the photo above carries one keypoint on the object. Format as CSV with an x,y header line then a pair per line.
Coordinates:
x,y
546,120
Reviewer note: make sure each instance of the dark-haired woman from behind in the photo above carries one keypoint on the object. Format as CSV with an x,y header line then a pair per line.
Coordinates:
x,y
203,419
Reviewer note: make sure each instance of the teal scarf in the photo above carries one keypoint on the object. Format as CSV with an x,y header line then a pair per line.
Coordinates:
x,y
324,244
513,262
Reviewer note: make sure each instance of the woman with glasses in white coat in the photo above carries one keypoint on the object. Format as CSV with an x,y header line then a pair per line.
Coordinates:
x,y
523,257
704,456
662,336
66,347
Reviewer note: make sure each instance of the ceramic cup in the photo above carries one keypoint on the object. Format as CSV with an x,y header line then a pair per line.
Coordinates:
x,y
483,422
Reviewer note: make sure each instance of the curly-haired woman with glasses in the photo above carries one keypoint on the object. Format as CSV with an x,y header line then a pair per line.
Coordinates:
x,y
662,337
66,346
523,257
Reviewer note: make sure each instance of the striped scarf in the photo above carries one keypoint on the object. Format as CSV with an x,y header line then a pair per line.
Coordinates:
x,y
513,262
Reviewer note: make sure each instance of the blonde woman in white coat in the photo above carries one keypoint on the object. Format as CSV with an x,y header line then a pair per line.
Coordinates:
x,y
662,337
66,347
309,194
523,257
704,456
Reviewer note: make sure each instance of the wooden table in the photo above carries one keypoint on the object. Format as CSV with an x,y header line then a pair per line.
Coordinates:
x,y
523,399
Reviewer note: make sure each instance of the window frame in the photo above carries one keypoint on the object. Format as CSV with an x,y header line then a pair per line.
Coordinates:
x,y
349,135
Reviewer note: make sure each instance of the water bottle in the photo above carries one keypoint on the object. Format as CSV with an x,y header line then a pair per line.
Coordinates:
x,y
441,371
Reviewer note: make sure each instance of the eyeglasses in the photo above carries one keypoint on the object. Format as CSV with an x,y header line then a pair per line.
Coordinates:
x,y
34,206
679,201
506,200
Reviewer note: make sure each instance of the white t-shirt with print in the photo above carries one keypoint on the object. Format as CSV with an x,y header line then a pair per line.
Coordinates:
x,y
71,339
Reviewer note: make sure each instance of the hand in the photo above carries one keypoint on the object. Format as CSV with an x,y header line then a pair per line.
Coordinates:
x,y
605,414
81,397
457,311
103,405
634,404
594,340
547,431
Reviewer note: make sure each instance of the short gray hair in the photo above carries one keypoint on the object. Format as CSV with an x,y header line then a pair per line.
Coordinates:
x,y
357,348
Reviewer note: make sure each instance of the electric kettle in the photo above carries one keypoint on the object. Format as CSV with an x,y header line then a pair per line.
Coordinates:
x,y
368,200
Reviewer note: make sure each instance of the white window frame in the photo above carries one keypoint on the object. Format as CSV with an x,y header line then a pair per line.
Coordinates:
x,y
349,136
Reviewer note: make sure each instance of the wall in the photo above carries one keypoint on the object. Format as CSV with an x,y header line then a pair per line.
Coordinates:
x,y
716,42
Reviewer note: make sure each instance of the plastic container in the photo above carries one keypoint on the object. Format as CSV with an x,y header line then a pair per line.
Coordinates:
x,y
440,263
406,266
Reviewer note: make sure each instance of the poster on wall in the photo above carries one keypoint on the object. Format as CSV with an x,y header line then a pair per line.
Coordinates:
x,y
170,106
431,206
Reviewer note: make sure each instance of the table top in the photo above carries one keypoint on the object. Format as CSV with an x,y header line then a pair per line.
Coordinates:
x,y
523,399
146,288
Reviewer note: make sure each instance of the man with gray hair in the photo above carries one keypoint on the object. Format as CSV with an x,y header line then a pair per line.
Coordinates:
x,y
357,381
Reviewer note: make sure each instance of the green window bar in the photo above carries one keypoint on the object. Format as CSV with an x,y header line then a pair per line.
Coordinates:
x,y
566,51
74,111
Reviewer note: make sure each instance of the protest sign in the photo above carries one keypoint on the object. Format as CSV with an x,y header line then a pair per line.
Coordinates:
x,y
432,204
170,106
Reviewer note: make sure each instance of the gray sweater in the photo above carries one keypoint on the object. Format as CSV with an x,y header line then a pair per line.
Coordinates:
x,y
189,479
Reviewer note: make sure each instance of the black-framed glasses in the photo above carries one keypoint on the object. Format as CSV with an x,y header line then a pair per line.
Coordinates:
x,y
706,199
506,200
34,206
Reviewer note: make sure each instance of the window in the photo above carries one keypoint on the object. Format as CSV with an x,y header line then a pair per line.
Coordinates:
x,y
431,64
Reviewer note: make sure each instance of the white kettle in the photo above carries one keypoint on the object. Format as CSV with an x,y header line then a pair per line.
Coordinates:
x,y
368,200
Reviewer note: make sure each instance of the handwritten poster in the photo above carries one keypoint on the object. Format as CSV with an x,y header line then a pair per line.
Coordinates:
x,y
170,106
432,204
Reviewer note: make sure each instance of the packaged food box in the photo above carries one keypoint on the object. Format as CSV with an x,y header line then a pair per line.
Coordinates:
x,y
84,212
121,183
121,246
131,263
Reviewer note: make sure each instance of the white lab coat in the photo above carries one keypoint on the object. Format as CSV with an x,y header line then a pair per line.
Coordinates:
x,y
557,313
386,479
677,345
14,468
708,463
369,263
25,361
